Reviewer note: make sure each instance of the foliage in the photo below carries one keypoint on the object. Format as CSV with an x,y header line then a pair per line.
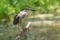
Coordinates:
x,y
10,7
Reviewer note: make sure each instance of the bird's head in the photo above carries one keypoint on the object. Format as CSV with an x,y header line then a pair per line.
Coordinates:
x,y
29,9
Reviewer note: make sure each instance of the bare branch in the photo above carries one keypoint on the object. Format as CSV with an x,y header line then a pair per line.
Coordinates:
x,y
24,30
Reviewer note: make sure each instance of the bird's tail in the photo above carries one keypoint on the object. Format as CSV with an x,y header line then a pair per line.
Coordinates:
x,y
16,20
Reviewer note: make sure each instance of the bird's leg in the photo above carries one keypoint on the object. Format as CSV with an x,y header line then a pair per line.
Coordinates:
x,y
18,27
18,37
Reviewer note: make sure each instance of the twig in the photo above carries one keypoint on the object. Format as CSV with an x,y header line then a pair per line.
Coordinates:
x,y
24,30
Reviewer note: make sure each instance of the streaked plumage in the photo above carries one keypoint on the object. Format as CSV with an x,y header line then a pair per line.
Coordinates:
x,y
20,16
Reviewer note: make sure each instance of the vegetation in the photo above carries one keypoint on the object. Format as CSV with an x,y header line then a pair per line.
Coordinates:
x,y
9,8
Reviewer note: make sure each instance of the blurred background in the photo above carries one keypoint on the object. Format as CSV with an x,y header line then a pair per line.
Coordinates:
x,y
45,20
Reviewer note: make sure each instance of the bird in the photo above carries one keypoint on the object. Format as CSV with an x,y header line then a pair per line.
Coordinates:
x,y
20,17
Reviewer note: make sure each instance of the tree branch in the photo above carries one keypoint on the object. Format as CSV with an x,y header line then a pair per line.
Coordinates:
x,y
24,30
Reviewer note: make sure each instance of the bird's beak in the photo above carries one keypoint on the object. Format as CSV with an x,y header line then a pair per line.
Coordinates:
x,y
32,10
29,9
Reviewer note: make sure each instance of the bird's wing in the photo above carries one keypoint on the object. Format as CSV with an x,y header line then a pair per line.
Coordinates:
x,y
19,17
22,15
16,20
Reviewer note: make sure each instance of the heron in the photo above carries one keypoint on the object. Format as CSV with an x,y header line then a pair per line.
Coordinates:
x,y
20,17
